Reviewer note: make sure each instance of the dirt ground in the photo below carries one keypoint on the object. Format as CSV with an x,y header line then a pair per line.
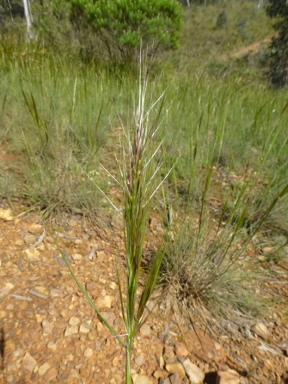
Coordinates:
x,y
49,333
252,48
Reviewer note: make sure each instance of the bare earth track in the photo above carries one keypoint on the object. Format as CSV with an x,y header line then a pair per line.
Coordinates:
x,y
252,48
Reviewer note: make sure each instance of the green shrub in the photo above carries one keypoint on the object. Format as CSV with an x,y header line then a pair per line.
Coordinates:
x,y
221,19
278,60
122,25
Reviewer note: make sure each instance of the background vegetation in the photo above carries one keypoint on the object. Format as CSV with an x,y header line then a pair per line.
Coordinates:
x,y
278,53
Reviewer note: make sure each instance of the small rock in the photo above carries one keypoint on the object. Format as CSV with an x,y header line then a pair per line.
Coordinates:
x,y
74,321
84,372
43,369
51,375
42,289
217,346
160,373
30,239
84,328
19,242
227,377
99,327
6,214
140,360
167,338
74,373
145,330
92,253
47,327
104,302
174,379
109,316
29,363
142,379
4,291
115,361
70,357
71,331
101,256
34,377
35,229
165,381
113,285
181,350
11,368
56,292
261,330
11,346
88,352
76,256
176,368
91,286
32,254
194,373
52,346
64,313
267,250
73,223
92,336
161,362
169,355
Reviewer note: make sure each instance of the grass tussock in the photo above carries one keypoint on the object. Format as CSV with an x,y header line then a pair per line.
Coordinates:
x,y
209,274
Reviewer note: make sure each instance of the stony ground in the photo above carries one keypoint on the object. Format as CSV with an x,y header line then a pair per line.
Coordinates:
x,y
50,334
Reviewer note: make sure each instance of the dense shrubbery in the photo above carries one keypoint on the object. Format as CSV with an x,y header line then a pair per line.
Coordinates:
x,y
122,25
278,57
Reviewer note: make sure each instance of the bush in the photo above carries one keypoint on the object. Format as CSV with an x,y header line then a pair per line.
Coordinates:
x,y
221,20
278,52
121,25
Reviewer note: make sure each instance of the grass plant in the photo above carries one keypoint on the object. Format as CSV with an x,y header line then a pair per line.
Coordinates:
x,y
228,203
139,168
60,127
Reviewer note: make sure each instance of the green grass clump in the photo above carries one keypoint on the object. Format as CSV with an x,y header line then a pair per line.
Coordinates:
x,y
63,119
235,180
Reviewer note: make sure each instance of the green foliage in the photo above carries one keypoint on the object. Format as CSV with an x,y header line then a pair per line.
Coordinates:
x,y
121,25
278,60
221,19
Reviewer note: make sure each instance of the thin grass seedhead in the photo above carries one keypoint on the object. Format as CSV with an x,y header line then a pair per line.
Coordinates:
x,y
138,169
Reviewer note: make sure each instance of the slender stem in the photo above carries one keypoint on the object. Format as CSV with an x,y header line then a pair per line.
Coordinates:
x,y
128,359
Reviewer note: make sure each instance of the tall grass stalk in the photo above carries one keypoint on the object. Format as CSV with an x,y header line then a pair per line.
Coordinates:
x,y
139,168
138,173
